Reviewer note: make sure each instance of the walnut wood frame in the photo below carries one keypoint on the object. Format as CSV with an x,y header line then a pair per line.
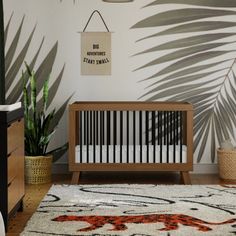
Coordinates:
x,y
74,130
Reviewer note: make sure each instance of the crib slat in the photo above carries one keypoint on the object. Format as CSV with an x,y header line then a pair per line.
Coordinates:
x,y
171,128
96,127
134,135
87,134
103,128
174,143
101,136
80,135
121,134
158,127
167,136
85,127
181,137
90,127
177,128
147,134
164,127
140,134
153,136
108,133
160,116
94,138
114,136
127,134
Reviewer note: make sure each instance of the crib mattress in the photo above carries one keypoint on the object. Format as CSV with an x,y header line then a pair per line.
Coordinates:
x,y
167,157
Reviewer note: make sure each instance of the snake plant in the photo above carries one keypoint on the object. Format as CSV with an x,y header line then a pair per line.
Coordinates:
x,y
38,123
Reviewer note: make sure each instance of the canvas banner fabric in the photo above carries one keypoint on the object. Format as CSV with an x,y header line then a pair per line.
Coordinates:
x,y
95,53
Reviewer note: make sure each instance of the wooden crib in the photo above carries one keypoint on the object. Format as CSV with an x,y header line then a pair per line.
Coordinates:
x,y
131,136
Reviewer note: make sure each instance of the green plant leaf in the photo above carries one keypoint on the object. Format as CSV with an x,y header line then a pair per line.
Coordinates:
x,y
52,90
45,67
45,94
33,94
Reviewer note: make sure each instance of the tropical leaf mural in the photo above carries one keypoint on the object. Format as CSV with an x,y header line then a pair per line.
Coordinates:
x,y
196,63
14,62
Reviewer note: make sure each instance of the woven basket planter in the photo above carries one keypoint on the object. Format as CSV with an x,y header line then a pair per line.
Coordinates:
x,y
38,169
227,164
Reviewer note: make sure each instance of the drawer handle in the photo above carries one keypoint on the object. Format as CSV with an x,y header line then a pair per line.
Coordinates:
x,y
11,181
8,155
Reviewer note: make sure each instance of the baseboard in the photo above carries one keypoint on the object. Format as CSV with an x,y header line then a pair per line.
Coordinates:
x,y
205,169
62,168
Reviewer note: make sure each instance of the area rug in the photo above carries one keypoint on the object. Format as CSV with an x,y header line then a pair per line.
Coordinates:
x,y
136,210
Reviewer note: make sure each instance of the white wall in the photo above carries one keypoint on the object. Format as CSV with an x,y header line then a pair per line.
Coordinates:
x,y
63,21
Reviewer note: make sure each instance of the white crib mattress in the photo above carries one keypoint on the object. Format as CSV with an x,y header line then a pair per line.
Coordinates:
x,y
150,158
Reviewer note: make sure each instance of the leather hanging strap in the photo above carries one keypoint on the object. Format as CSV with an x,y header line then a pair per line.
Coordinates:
x,y
96,11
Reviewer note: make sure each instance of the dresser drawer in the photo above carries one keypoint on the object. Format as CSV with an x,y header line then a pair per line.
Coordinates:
x,y
13,194
13,165
15,132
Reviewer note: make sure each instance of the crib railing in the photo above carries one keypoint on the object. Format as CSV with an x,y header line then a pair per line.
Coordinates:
x,y
111,129
130,129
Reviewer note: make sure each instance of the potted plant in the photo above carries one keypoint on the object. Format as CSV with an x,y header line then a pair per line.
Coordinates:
x,y
38,133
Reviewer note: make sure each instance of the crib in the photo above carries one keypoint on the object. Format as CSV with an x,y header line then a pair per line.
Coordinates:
x,y
131,136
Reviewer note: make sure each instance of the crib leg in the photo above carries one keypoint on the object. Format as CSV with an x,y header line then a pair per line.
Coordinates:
x,y
185,177
75,177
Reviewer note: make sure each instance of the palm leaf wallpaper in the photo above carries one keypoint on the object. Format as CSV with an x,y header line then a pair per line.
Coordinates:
x,y
14,62
198,64
176,50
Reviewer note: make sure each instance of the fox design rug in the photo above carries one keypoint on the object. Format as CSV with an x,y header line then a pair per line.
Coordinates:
x,y
136,210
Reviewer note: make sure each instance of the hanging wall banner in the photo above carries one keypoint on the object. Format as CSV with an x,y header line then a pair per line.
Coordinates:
x,y
95,51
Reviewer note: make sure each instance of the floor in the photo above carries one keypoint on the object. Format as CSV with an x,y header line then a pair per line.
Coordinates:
x,y
35,193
